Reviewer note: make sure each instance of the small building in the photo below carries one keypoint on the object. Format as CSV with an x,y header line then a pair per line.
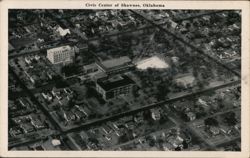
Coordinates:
x,y
90,68
185,81
175,60
38,124
62,32
201,102
115,86
27,127
106,129
155,114
176,141
191,116
115,65
138,118
63,54
214,130
14,131
55,142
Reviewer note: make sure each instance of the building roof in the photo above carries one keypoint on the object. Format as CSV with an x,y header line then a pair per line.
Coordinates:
x,y
61,48
62,31
107,64
115,82
90,66
186,79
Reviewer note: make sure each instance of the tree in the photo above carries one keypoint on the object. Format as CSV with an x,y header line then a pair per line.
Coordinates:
x,y
70,69
178,149
185,144
123,138
61,84
230,119
211,122
135,92
151,141
162,89
146,115
163,120
200,84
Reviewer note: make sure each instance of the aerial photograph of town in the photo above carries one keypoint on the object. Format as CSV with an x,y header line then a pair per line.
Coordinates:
x,y
124,80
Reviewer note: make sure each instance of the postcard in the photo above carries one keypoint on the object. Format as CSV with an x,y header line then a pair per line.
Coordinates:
x,y
124,78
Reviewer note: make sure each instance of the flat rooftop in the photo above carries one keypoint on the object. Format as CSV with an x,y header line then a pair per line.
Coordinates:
x,y
61,48
115,82
115,62
186,79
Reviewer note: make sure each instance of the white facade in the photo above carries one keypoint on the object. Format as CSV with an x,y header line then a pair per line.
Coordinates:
x,y
62,32
63,54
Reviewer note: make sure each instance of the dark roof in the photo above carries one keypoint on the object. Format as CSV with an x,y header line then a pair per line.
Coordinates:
x,y
115,82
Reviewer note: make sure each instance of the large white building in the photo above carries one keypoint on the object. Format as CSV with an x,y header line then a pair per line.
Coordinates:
x,y
63,54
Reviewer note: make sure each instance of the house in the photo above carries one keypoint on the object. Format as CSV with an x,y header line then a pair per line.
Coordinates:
x,y
62,32
69,116
130,125
225,129
185,81
214,130
23,102
68,90
27,60
38,124
118,133
155,114
167,147
49,75
191,116
79,115
15,131
32,78
237,126
38,147
27,127
173,24
55,142
47,96
84,111
138,118
201,102
175,60
106,129
108,138
176,141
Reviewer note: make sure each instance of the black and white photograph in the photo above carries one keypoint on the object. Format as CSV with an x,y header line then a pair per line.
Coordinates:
x,y
124,79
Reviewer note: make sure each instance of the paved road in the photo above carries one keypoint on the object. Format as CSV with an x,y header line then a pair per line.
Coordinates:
x,y
117,116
